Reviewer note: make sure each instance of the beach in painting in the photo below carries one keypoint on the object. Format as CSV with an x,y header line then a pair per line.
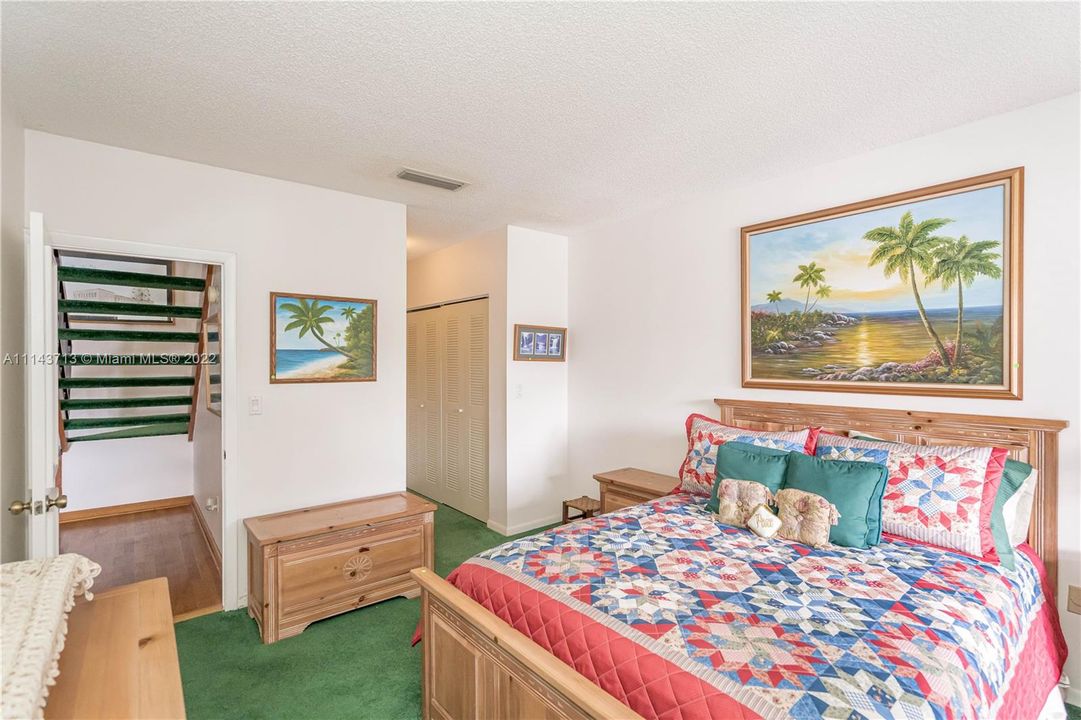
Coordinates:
x,y
319,339
911,293
295,364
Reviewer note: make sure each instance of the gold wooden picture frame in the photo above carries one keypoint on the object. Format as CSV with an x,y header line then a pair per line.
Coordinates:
x,y
540,343
324,338
870,297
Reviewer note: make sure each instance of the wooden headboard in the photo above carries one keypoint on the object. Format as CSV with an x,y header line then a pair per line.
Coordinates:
x,y
1032,441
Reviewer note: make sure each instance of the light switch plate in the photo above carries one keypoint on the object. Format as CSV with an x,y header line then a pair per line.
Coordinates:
x,y
255,405
1073,599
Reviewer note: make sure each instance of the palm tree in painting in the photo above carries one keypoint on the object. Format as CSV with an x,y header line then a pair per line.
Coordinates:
x,y
821,293
905,248
960,262
809,276
349,312
773,297
309,316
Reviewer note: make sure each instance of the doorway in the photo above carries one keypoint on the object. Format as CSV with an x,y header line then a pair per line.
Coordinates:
x,y
447,357
139,391
211,394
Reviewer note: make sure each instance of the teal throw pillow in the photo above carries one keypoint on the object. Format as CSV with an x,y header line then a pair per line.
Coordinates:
x,y
854,488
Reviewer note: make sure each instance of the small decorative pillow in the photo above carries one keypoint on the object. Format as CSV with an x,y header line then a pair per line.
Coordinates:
x,y
941,495
763,522
737,499
805,517
704,435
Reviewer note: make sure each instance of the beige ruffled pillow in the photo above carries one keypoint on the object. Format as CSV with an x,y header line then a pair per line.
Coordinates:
x,y
737,499
805,517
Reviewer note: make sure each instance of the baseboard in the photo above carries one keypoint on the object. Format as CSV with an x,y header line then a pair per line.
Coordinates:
x,y
1073,696
523,527
215,553
70,516
196,613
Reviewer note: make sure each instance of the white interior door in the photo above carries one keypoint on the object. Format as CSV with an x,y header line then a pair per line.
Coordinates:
x,y
465,407
42,416
447,405
423,395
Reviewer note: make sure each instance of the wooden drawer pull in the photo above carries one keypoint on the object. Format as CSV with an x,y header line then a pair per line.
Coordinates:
x,y
363,549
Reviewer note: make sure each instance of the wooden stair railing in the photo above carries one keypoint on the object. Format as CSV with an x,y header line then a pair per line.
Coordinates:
x,y
200,350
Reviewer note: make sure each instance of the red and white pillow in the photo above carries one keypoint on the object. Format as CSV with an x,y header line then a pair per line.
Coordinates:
x,y
705,435
936,494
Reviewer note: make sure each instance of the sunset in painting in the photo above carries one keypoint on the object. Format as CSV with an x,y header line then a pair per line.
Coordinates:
x,y
912,293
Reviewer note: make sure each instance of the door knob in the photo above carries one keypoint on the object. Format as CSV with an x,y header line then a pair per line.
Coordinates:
x,y
19,506
60,501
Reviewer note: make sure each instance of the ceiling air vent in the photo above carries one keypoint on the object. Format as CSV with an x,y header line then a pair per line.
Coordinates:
x,y
428,179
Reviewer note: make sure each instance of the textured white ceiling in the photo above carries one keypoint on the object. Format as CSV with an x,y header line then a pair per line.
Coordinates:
x,y
558,114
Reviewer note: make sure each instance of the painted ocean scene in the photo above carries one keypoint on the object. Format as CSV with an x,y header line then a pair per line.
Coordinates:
x,y
912,293
319,339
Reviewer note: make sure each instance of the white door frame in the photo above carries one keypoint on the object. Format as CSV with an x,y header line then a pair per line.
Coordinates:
x,y
231,528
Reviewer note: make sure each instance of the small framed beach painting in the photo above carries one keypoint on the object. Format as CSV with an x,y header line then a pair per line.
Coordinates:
x,y
917,293
321,338
540,343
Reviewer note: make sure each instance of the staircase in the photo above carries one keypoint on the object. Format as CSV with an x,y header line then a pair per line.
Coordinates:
x,y
173,409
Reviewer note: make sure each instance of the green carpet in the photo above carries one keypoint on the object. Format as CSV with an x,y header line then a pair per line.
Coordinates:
x,y
1073,712
356,665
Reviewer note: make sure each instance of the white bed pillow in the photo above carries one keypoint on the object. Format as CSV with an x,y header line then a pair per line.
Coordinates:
x,y
1017,511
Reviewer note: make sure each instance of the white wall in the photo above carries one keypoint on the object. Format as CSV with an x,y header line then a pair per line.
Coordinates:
x,y
524,274
206,466
671,277
536,391
207,445
12,388
314,443
466,270
116,472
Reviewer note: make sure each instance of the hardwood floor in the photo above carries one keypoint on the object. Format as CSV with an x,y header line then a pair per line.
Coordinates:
x,y
145,545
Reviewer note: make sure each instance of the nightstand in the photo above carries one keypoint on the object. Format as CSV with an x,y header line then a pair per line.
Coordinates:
x,y
631,486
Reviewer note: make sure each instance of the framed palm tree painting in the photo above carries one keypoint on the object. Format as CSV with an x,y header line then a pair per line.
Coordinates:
x,y
917,293
321,338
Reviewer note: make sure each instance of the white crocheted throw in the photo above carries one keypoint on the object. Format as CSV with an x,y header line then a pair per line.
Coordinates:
x,y
35,599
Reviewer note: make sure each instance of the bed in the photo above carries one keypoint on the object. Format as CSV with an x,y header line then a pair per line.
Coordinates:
x,y
658,611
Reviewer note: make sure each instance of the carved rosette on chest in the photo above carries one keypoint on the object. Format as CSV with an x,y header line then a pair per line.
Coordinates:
x,y
358,567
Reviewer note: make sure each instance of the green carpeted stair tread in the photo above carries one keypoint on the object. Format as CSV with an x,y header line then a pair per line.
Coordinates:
x,y
115,403
141,381
143,359
127,335
128,279
134,432
126,421
93,307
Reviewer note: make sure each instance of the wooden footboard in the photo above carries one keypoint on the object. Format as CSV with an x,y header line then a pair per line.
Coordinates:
x,y
477,667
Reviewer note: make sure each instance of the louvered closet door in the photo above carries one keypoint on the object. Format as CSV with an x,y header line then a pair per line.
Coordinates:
x,y
465,407
424,472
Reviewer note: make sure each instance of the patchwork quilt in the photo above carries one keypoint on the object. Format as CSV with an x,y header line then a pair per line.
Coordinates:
x,y
679,616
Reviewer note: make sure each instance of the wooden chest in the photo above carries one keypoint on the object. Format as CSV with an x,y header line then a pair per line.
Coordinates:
x,y
306,565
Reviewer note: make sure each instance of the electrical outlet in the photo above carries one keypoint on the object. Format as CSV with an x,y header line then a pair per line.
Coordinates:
x,y
1073,599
